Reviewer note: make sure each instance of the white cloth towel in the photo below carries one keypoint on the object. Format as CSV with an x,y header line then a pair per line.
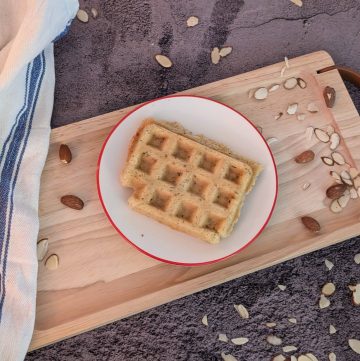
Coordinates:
x,y
27,31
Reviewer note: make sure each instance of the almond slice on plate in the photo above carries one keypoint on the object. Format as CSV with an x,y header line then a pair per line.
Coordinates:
x,y
312,108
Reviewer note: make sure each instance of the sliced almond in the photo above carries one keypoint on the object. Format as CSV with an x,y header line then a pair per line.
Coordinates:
x,y
328,289
192,21
356,295
272,140
304,358
305,157
292,108
225,51
52,262
305,186
274,340
353,193
330,130
251,93
282,72
334,141
278,116
309,133
292,320
289,348
324,302
302,83
297,2
282,287
357,258
215,55
328,161
357,183
293,358
278,358
332,329
329,265
311,224
290,83
336,176
312,357
261,93
42,248
274,87
287,63
329,96
301,116
335,206
242,311
223,337
321,135
94,13
163,60
312,108
353,172
336,191
227,357
332,356
240,341
338,158
82,15
204,321
355,345
270,324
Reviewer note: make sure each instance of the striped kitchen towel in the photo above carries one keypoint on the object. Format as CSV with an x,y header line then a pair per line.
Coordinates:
x,y
28,29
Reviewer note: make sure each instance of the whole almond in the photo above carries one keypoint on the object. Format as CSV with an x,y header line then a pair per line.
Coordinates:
x,y
65,153
311,224
329,96
72,201
336,191
305,157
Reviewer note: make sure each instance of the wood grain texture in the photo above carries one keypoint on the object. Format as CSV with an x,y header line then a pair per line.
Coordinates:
x,y
101,278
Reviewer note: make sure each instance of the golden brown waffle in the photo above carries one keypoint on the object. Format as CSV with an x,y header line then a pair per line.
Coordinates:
x,y
185,184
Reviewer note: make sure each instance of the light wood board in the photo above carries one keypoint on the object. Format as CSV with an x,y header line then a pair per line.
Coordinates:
x,y
101,278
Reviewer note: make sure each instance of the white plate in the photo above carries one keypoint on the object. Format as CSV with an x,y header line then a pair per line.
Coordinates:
x,y
201,116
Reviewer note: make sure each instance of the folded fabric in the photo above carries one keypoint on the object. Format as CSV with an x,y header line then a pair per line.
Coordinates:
x,y
27,31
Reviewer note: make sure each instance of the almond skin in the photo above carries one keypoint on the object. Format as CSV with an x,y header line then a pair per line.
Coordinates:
x,y
336,191
72,201
311,224
329,96
65,154
305,157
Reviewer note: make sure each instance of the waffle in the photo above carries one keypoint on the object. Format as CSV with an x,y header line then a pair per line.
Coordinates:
x,y
185,181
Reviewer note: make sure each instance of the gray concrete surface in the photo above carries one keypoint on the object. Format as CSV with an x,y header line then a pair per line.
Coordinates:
x,y
108,64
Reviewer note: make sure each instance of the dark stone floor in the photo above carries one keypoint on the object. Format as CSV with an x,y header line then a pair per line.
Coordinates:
x,y
108,64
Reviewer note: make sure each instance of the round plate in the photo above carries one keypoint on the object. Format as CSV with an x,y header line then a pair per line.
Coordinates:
x,y
201,116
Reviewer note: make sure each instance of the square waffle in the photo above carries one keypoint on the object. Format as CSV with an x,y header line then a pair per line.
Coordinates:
x,y
189,183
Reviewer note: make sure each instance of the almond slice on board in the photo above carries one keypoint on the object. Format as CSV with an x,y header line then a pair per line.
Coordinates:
x,y
290,83
353,172
334,141
335,206
312,108
301,116
328,161
163,60
330,130
336,176
292,108
321,135
305,186
302,83
52,262
353,193
338,158
261,93
309,133
274,87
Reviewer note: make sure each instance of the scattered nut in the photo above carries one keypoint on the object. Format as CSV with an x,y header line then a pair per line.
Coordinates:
x,y
292,108
330,130
301,116
332,356
357,258
335,206
82,15
328,161
356,295
192,21
274,340
334,141
204,321
223,337
332,329
274,87
225,51
324,302
312,357
312,108
336,176
305,157
297,2
328,289
72,201
270,324
94,13
329,265
52,262
353,172
311,224
272,140
338,158
163,60
65,153
282,287
239,341
242,311
292,320
355,345
302,83
287,349
42,248
278,358
215,55
261,94
321,135
290,83
329,96
227,357
353,193
336,191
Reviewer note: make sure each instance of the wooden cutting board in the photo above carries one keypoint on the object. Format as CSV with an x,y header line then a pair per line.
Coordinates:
x,y
102,278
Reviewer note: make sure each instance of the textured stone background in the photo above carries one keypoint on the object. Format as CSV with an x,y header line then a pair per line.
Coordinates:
x,y
108,64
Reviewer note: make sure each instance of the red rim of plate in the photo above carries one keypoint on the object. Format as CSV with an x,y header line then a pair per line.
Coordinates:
x,y
140,249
